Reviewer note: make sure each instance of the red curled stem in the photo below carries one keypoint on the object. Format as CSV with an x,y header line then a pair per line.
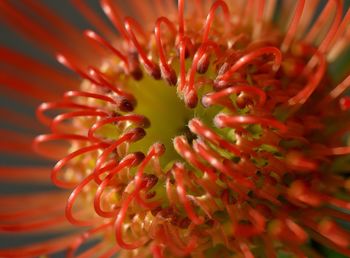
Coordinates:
x,y
214,160
341,29
202,50
171,195
155,151
222,120
60,164
254,55
112,13
54,105
73,94
72,198
100,79
136,119
151,67
74,67
119,224
157,32
212,98
53,137
128,161
106,153
211,15
198,128
176,244
318,24
336,92
85,113
333,29
179,170
315,30
183,148
166,69
293,27
182,49
181,20
94,36
313,82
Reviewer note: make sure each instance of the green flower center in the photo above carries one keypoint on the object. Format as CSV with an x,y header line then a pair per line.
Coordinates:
x,y
166,112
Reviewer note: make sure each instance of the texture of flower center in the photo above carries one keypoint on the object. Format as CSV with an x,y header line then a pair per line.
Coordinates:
x,y
167,114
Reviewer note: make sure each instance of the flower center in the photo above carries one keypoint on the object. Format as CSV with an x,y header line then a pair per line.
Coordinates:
x,y
166,112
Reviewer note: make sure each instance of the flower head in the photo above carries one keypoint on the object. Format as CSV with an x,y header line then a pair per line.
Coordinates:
x,y
203,128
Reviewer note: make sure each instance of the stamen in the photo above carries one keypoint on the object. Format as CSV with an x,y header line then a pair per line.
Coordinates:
x,y
181,20
150,67
55,150
128,161
224,79
183,148
246,169
197,127
222,120
334,27
44,107
57,124
113,13
313,82
210,18
178,169
94,36
293,27
63,162
214,97
169,73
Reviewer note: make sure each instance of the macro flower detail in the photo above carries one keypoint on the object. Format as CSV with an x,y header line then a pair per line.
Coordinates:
x,y
199,129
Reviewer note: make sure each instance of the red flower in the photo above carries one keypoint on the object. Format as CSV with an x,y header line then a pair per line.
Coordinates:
x,y
214,128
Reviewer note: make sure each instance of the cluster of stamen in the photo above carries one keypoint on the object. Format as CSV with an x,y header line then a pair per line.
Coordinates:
x,y
252,171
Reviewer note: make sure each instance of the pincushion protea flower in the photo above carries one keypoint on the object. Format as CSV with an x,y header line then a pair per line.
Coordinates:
x,y
206,129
